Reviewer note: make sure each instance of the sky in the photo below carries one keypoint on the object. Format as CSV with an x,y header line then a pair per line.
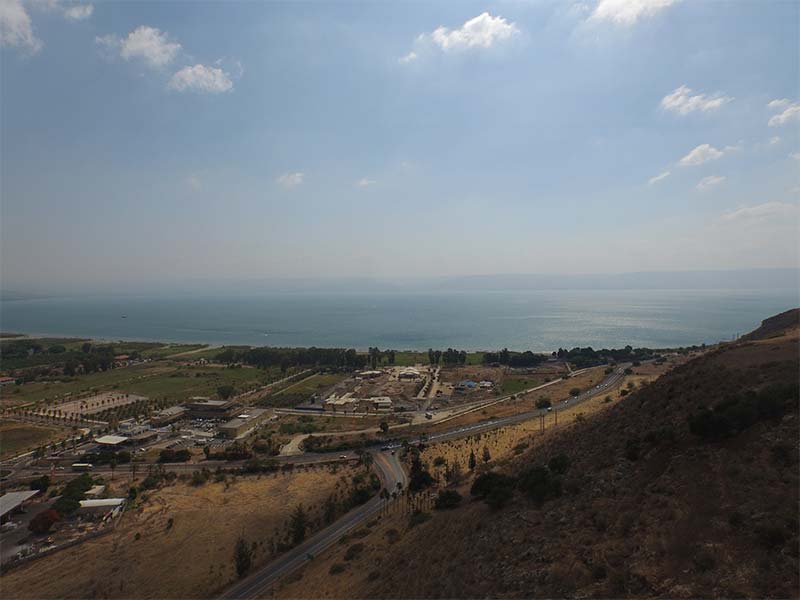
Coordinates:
x,y
156,141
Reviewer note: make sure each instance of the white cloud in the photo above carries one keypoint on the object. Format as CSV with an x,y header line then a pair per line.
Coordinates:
x,y
628,12
795,155
779,103
78,12
774,140
657,178
290,180
482,31
682,101
364,182
710,181
703,153
790,111
763,211
201,78
146,43
15,27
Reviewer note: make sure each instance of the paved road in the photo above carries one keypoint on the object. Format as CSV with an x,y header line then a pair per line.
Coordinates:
x,y
259,583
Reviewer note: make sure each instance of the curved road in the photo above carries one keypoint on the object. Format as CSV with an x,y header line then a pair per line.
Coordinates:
x,y
258,584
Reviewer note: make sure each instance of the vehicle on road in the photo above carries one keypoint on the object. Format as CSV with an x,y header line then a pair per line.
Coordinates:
x,y
81,467
343,456
428,415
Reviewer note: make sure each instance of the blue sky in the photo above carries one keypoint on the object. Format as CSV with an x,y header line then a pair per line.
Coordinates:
x,y
149,141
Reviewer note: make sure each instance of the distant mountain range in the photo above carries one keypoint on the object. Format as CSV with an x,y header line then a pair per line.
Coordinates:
x,y
732,279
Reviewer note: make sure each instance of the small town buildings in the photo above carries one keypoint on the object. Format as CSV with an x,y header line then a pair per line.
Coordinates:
x,y
370,374
244,423
143,437
7,381
111,441
102,508
381,403
167,416
204,408
485,384
345,403
409,373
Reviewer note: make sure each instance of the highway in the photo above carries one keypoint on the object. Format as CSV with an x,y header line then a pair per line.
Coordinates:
x,y
258,584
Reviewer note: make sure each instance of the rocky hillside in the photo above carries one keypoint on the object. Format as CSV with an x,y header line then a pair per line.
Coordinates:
x,y
686,488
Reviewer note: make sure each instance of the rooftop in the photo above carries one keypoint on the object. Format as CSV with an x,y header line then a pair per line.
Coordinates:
x,y
111,440
12,500
101,502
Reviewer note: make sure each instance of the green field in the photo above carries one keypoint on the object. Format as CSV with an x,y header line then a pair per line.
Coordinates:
x,y
163,381
407,358
312,385
514,385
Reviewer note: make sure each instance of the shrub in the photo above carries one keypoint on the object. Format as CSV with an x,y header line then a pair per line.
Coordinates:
x,y
353,551
447,499
42,522
41,483
540,484
543,403
336,568
496,489
559,464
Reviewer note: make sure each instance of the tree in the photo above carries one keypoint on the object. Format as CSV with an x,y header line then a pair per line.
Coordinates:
x,y
575,392
384,427
472,460
243,557
486,456
42,522
113,464
299,524
543,402
225,391
418,478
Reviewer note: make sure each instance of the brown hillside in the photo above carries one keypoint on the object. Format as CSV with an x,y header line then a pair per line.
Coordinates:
x,y
776,326
648,507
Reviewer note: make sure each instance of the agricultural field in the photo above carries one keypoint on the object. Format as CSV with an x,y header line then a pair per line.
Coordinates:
x,y
166,381
184,533
16,438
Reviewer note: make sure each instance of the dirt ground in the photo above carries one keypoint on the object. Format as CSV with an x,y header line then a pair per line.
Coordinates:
x,y
16,438
185,535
